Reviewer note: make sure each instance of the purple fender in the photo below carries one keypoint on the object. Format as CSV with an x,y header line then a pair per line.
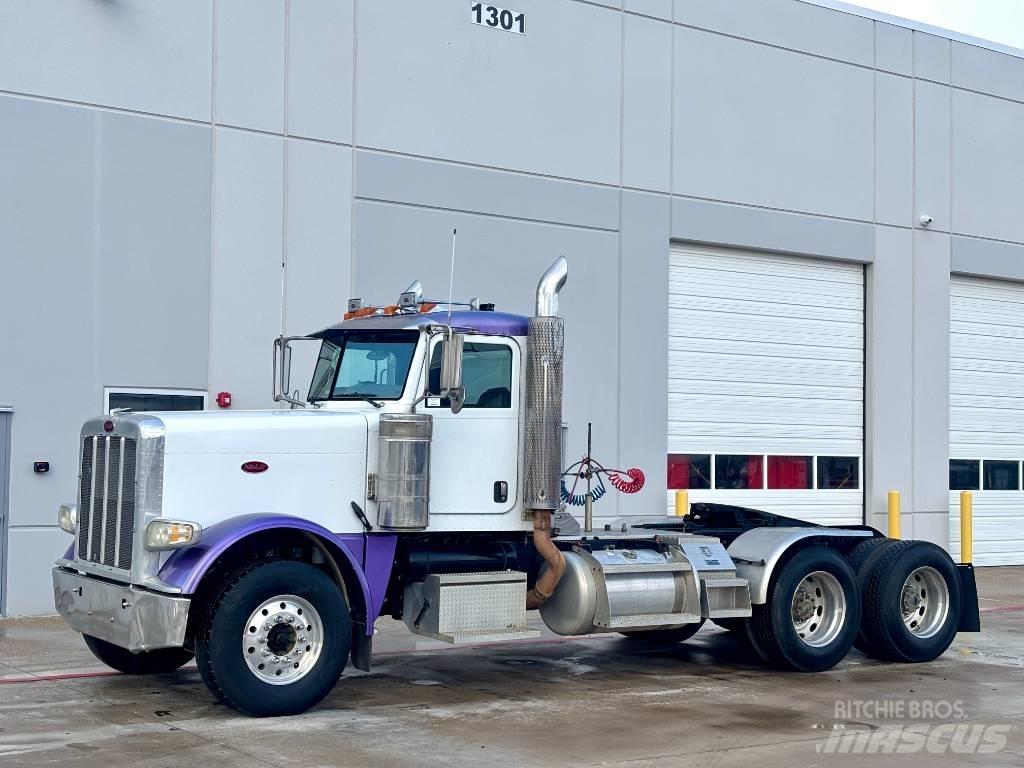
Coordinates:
x,y
186,567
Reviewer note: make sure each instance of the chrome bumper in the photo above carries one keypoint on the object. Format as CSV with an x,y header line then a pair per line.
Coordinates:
x,y
120,614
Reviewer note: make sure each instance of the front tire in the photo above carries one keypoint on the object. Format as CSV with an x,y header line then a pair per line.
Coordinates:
x,y
144,663
276,639
812,612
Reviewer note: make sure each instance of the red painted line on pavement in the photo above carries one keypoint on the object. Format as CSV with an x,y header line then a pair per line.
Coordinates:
x,y
30,678
398,652
1003,609
48,678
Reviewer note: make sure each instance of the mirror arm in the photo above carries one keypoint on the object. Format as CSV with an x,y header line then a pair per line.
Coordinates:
x,y
280,354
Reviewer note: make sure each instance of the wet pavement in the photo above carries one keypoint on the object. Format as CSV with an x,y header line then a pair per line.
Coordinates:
x,y
598,700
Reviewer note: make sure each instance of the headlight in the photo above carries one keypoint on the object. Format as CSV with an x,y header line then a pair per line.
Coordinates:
x,y
170,534
67,518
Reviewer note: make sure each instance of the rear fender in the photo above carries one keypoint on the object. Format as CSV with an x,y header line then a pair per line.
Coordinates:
x,y
758,551
186,567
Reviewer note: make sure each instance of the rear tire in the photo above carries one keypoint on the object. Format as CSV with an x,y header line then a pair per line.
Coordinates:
x,y
275,640
144,663
911,602
664,636
812,612
862,559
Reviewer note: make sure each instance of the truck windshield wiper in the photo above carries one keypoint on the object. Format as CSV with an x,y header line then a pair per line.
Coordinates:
x,y
367,398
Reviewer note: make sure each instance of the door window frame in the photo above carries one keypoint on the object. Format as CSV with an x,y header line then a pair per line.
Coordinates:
x,y
432,403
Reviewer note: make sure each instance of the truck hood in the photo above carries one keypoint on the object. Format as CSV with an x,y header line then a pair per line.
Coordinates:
x,y
310,464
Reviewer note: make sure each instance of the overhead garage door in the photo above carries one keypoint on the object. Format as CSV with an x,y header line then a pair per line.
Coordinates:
x,y
986,415
766,382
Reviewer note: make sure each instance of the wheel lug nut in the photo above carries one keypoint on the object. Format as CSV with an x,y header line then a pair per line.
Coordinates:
x,y
268,625
279,618
262,639
276,660
302,639
291,619
266,653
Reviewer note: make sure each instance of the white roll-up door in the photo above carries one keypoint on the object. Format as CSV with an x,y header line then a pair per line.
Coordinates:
x,y
986,415
766,382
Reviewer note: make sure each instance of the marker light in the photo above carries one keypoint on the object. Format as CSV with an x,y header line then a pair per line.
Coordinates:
x,y
67,518
171,534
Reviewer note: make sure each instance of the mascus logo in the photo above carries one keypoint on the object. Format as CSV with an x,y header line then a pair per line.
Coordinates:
x,y
255,467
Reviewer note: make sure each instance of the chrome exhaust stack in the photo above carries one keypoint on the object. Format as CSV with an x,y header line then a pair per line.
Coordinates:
x,y
545,341
543,461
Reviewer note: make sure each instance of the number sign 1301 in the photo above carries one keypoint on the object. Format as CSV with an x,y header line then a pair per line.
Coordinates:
x,y
498,18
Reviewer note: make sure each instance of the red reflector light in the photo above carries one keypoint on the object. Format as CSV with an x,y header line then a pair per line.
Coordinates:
x,y
108,426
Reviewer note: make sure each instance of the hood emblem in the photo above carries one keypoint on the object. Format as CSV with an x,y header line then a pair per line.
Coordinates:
x,y
255,467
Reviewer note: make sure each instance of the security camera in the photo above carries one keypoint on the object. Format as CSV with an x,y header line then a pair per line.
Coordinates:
x,y
926,220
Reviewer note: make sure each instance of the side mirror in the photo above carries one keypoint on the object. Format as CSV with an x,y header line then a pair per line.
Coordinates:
x,y
283,370
451,369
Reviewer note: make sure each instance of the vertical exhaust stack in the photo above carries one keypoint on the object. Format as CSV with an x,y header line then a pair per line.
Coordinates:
x,y
545,340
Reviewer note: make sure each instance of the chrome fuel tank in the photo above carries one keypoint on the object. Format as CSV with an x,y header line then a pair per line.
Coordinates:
x,y
613,590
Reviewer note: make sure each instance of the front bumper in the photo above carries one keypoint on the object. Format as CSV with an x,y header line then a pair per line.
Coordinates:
x,y
121,614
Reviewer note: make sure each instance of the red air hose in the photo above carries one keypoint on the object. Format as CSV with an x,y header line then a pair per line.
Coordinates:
x,y
634,484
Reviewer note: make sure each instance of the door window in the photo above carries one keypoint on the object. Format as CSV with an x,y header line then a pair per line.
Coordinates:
x,y
486,375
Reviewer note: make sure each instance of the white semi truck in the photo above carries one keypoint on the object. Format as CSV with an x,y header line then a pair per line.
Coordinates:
x,y
420,478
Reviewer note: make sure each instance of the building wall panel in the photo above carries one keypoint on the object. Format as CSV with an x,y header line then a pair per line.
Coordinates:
x,y
988,139
762,126
439,86
131,54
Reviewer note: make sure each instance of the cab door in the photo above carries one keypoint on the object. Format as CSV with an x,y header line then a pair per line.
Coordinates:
x,y
474,453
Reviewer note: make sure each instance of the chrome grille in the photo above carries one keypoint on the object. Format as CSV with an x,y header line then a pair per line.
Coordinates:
x,y
106,506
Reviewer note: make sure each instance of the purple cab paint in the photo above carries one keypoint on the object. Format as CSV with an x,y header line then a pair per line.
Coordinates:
x,y
185,567
468,321
500,323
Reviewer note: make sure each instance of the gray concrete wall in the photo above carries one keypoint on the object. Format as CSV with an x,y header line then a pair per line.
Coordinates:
x,y
182,181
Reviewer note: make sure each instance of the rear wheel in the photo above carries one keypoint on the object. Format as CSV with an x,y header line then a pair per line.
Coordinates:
x,y
665,636
911,602
812,612
145,663
276,639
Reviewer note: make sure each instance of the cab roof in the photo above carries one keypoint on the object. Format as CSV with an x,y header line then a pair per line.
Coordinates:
x,y
467,321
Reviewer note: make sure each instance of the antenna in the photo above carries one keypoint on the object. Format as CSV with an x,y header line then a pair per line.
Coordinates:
x,y
451,280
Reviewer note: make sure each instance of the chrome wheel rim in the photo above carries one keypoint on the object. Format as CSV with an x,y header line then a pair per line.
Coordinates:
x,y
924,602
282,639
818,609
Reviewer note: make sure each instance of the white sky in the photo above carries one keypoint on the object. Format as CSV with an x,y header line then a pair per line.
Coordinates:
x,y
1001,21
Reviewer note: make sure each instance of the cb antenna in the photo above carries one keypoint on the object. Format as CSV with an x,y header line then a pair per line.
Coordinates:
x,y
451,280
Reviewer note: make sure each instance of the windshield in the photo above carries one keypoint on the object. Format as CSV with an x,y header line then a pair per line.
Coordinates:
x,y
360,364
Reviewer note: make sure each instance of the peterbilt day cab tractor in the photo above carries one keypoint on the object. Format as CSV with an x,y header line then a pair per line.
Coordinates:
x,y
421,478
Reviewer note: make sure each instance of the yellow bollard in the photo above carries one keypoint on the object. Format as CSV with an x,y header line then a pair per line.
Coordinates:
x,y
966,527
894,514
682,503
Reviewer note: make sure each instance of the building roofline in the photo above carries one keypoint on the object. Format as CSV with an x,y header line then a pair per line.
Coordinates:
x,y
917,26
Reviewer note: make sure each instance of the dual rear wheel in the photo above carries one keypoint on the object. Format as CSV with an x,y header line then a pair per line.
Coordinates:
x,y
895,600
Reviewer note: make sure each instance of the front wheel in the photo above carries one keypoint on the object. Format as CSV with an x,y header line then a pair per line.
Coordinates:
x,y
144,663
276,639
812,612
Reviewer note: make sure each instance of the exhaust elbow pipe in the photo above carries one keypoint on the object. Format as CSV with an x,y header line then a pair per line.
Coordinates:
x,y
550,284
